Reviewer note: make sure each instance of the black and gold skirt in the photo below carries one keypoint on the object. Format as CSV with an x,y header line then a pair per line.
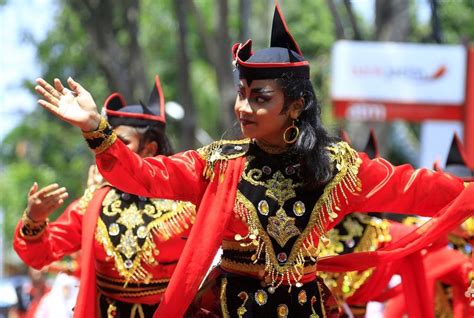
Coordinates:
x,y
245,297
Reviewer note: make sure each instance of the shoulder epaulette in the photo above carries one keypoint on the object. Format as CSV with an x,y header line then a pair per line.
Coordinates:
x,y
347,162
88,195
221,151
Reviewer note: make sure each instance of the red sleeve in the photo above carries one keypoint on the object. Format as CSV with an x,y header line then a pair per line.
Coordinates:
x,y
178,177
60,238
402,189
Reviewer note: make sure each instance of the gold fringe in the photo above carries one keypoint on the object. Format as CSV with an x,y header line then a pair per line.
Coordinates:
x,y
347,163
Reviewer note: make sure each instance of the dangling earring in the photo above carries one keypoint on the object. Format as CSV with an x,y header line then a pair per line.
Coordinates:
x,y
291,133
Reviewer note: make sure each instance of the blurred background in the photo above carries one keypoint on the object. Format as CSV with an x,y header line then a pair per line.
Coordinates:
x,y
119,46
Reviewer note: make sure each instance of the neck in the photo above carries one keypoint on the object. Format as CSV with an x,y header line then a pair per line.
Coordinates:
x,y
271,149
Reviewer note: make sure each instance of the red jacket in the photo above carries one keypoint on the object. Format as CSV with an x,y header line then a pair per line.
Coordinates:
x,y
188,176
75,230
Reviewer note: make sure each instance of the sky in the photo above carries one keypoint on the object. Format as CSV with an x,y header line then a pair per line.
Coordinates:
x,y
18,57
18,61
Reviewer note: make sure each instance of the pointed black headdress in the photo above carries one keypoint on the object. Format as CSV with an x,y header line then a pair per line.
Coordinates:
x,y
283,55
118,112
456,162
372,147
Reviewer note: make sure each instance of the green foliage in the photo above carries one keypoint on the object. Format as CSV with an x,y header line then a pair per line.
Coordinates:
x,y
44,150
456,20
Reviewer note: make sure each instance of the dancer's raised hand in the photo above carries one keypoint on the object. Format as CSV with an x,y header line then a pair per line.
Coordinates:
x,y
75,105
42,202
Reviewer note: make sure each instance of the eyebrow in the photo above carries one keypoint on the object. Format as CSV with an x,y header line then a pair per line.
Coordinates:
x,y
262,90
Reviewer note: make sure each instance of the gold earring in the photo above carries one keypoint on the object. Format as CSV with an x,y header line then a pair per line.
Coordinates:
x,y
292,130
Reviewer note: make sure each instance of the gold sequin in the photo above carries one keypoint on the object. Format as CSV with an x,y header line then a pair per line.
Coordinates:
x,y
282,311
263,207
299,208
302,297
261,297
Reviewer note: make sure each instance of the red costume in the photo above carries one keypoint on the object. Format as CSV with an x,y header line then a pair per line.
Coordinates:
x,y
210,177
258,207
130,245
76,229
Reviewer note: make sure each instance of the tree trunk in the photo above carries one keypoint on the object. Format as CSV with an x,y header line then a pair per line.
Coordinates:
x,y
245,7
435,23
122,65
186,98
338,27
217,52
392,20
357,35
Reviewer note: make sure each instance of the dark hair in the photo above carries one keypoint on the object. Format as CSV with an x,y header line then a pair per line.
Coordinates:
x,y
150,133
157,134
313,139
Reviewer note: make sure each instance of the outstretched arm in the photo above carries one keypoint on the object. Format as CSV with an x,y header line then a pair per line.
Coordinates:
x,y
75,105
402,189
178,177
38,243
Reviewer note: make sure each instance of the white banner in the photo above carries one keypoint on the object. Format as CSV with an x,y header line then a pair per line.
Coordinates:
x,y
398,72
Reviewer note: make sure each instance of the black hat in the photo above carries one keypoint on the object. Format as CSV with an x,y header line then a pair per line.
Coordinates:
x,y
137,115
345,136
372,148
456,163
283,55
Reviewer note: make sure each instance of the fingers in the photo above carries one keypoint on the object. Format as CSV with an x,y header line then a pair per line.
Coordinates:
x,y
52,202
48,96
47,190
48,106
59,86
75,86
33,189
50,89
55,194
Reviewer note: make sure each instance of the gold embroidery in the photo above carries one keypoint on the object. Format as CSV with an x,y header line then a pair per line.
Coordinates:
x,y
314,314
347,163
242,310
169,218
223,298
282,227
215,157
111,311
377,231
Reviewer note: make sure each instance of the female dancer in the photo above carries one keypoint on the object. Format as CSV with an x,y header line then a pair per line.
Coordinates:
x,y
267,199
129,244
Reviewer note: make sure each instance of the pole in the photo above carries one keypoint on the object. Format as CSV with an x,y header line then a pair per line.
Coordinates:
x,y
469,109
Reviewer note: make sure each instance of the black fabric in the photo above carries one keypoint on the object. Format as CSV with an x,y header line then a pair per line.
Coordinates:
x,y
237,284
283,50
282,164
454,155
115,103
116,121
123,309
273,55
371,148
154,109
280,36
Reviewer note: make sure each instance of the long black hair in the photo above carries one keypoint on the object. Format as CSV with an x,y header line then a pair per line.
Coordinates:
x,y
313,139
